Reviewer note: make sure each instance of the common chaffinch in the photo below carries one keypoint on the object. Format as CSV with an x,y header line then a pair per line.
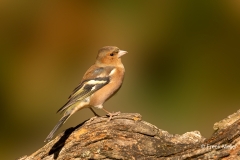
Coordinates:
x,y
101,81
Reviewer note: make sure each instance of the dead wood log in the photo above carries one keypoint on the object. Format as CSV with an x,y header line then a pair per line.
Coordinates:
x,y
127,136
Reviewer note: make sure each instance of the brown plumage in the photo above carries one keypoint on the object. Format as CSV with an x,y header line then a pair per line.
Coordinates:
x,y
100,82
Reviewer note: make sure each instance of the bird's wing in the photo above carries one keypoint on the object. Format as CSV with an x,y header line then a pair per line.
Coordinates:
x,y
93,80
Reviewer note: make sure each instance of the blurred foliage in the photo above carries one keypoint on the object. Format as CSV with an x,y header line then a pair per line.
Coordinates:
x,y
182,69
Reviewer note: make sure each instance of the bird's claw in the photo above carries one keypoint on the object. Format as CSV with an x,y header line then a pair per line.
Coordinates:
x,y
92,119
112,115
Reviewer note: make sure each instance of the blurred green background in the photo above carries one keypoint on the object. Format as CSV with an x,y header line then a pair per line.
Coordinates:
x,y
182,69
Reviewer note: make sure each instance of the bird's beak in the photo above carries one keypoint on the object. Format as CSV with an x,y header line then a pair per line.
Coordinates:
x,y
121,53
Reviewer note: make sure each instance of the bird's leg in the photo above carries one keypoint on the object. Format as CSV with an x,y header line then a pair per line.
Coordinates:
x,y
95,115
110,114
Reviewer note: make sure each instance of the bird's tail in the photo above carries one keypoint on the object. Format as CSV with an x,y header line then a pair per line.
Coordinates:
x,y
58,125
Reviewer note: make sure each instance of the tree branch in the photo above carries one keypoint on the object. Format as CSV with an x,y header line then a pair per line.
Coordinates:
x,y
127,136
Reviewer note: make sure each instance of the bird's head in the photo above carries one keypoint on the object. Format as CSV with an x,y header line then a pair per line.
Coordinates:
x,y
110,55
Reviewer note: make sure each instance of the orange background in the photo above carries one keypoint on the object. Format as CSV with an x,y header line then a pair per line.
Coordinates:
x,y
182,69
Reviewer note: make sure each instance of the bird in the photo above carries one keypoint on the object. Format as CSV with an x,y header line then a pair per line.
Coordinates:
x,y
99,83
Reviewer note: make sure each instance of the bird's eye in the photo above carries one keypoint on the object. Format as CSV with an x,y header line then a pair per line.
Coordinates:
x,y
111,54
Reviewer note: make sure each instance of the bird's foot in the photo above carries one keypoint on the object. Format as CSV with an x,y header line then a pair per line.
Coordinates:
x,y
112,115
92,119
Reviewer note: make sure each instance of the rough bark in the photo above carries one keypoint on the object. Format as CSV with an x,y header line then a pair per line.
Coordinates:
x,y
127,136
